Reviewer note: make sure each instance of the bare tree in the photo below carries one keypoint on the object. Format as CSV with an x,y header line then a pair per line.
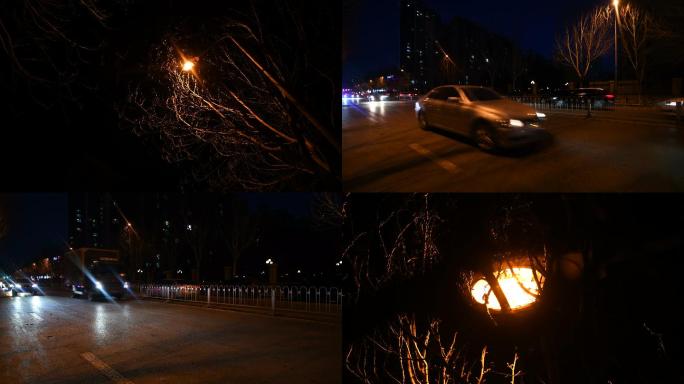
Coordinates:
x,y
585,41
638,31
400,230
518,66
196,214
406,352
133,247
328,210
239,230
233,115
41,40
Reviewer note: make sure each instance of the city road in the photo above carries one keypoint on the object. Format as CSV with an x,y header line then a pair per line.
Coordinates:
x,y
49,339
630,149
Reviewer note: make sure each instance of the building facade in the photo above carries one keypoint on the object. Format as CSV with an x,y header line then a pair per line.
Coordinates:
x,y
420,55
91,221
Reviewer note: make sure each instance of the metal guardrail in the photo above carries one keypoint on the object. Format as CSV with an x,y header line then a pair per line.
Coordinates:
x,y
301,299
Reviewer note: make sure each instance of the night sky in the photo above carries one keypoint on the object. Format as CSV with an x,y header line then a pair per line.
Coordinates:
x,y
35,222
297,204
371,28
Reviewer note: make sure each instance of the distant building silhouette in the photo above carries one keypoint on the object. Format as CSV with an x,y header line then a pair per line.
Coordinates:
x,y
475,54
418,27
91,223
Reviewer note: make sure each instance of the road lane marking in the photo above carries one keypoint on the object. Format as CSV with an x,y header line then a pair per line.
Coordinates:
x,y
105,369
444,164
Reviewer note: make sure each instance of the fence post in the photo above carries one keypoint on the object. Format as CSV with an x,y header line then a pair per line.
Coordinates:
x,y
273,302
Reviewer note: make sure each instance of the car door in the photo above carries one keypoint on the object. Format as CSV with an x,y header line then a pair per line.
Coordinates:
x,y
453,112
433,104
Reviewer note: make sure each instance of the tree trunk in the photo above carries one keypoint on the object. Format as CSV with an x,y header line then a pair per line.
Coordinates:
x,y
235,260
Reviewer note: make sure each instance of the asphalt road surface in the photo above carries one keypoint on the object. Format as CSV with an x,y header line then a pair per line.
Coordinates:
x,y
630,149
47,339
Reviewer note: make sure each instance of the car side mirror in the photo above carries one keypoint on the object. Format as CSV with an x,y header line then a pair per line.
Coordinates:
x,y
454,99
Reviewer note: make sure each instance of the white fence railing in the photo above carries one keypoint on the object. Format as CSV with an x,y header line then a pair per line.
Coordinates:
x,y
304,299
547,103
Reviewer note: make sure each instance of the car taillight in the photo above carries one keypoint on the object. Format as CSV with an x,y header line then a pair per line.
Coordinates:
x,y
610,97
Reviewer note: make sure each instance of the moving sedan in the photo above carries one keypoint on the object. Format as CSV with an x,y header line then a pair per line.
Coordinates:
x,y
492,120
23,286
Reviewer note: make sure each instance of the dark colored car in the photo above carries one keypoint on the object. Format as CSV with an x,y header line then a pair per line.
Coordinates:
x,y
490,119
23,286
598,97
103,282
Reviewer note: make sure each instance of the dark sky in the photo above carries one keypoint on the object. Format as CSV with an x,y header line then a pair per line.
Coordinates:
x,y
298,204
35,222
371,28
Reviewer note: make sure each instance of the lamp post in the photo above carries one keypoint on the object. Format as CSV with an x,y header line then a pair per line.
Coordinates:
x,y
615,81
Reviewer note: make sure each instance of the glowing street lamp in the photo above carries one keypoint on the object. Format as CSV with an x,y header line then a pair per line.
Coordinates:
x,y
188,65
520,285
509,284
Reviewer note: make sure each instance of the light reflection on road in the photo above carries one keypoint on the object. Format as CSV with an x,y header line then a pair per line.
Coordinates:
x,y
100,325
376,107
25,333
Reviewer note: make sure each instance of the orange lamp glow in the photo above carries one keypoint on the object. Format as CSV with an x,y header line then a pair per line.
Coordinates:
x,y
188,65
520,285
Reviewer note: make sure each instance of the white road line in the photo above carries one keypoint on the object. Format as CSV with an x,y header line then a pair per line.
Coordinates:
x,y
444,164
105,369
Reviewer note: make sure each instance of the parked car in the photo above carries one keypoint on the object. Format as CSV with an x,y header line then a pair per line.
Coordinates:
x,y
598,97
490,119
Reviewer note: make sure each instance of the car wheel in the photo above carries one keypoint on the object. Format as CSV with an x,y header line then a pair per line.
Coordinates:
x,y
482,134
423,122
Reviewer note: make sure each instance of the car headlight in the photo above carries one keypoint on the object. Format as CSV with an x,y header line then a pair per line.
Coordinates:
x,y
515,123
126,285
98,285
671,104
417,107
34,285
541,115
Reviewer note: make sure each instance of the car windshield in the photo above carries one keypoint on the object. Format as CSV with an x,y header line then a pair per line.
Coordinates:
x,y
481,94
104,268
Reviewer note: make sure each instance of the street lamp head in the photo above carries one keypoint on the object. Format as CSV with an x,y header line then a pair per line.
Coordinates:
x,y
188,65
